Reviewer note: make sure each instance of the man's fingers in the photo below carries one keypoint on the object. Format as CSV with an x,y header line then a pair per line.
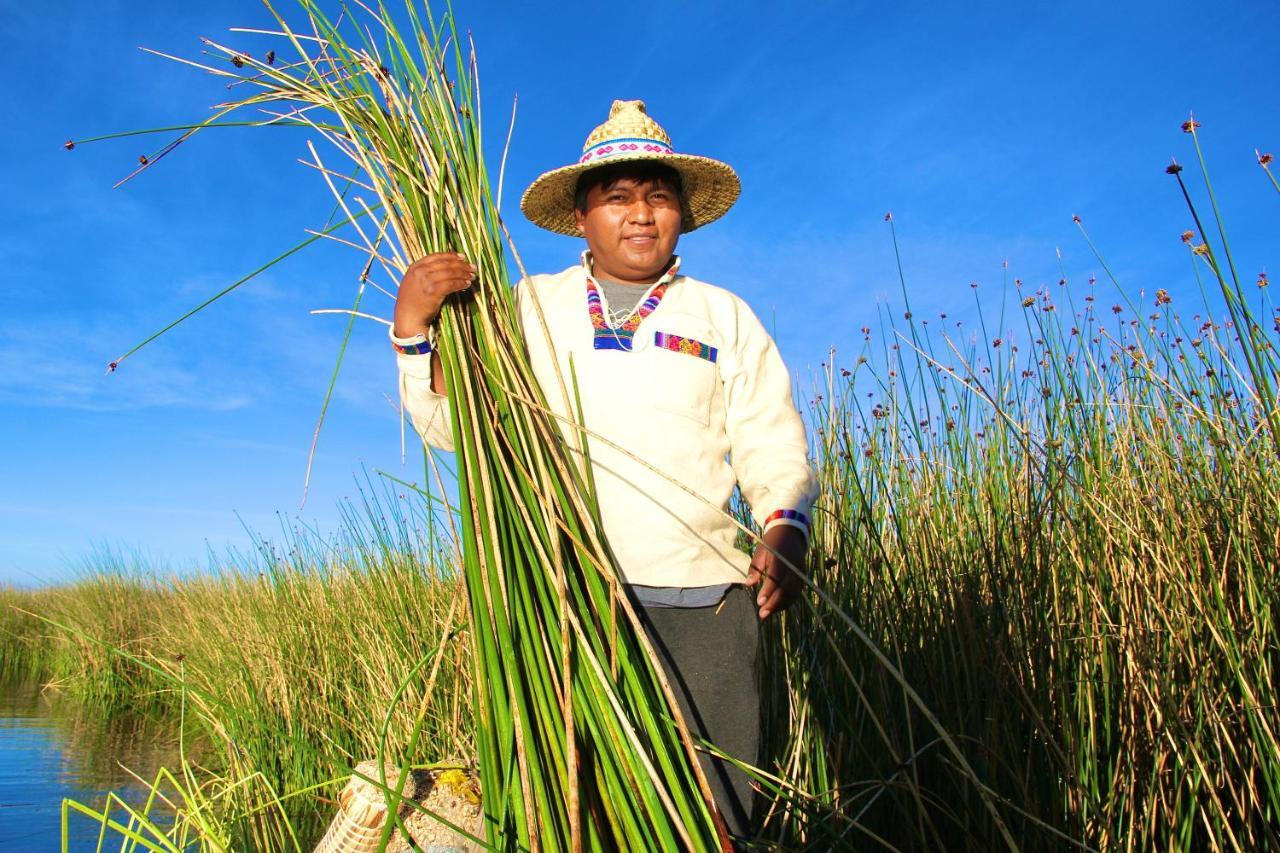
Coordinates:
x,y
780,600
456,272
440,259
780,589
442,282
437,267
771,598
767,589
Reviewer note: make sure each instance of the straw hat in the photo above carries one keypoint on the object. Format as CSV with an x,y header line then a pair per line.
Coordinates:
x,y
709,187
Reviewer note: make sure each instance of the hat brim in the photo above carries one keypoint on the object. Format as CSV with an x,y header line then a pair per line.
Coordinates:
x,y
709,189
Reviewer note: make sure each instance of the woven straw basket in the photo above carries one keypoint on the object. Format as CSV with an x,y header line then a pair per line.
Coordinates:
x,y
362,814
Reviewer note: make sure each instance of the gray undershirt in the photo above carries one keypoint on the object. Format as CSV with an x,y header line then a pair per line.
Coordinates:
x,y
623,300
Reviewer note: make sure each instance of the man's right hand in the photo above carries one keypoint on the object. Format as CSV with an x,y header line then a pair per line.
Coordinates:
x,y
425,286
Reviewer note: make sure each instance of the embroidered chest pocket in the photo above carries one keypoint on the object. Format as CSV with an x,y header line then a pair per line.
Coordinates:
x,y
681,355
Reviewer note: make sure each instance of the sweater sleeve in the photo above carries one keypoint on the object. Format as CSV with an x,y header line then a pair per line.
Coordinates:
x,y
769,451
428,410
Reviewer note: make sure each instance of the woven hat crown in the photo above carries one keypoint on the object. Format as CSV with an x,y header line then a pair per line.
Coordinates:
x,y
627,120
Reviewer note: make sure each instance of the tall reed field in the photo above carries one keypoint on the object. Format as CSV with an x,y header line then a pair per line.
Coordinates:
x,y
1042,597
1048,538
1061,528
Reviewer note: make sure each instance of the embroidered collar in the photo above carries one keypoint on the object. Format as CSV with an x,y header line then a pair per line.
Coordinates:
x,y
621,336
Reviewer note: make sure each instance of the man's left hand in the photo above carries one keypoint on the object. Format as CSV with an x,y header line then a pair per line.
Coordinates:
x,y
781,586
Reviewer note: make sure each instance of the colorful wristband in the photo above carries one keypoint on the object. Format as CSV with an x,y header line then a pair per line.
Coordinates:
x,y
790,518
421,347
789,515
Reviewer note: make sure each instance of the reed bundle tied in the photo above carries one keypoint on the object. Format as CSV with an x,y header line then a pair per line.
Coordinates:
x,y
577,742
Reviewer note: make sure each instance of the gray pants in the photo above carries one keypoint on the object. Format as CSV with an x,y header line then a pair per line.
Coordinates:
x,y
709,654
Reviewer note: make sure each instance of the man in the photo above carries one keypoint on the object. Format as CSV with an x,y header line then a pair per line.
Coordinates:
x,y
681,383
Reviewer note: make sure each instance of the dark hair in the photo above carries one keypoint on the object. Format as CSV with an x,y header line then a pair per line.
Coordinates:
x,y
637,170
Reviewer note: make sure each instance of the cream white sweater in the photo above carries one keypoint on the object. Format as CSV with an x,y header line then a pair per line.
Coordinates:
x,y
705,416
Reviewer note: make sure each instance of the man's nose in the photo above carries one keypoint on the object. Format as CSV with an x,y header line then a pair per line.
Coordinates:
x,y
640,211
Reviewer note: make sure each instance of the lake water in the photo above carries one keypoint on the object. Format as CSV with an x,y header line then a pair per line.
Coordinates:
x,y
51,749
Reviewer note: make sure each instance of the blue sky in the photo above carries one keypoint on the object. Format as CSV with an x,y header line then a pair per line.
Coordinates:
x,y
984,127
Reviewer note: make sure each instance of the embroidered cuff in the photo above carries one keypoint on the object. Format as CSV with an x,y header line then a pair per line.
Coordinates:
x,y
416,345
408,359
790,518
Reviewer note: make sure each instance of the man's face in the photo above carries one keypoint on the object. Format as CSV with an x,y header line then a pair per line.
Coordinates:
x,y
631,228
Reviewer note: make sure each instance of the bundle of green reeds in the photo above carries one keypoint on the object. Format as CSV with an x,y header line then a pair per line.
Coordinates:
x,y
577,743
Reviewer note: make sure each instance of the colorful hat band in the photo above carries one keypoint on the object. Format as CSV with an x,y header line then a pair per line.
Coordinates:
x,y
616,147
